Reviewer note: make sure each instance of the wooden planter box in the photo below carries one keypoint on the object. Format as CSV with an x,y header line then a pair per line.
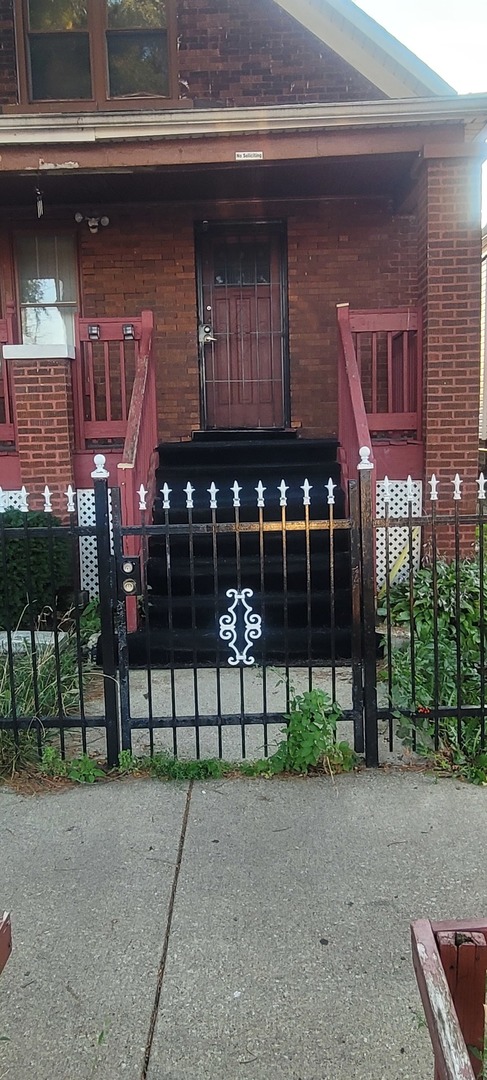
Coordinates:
x,y
450,961
5,940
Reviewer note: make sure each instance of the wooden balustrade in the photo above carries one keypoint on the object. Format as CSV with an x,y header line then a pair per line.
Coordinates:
x,y
108,352
387,346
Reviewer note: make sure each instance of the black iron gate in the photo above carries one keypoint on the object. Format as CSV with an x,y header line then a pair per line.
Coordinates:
x,y
255,604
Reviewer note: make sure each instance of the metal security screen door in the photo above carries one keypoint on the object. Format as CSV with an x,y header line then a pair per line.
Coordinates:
x,y
242,326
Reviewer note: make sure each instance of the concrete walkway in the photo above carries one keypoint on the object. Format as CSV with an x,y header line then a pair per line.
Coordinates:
x,y
237,929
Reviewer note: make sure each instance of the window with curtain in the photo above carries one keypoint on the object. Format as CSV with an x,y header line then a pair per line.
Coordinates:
x,y
47,282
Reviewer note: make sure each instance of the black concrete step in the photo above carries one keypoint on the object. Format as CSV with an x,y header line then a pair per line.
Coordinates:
x,y
205,575
183,648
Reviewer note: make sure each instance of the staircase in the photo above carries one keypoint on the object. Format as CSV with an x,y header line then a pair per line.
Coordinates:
x,y
188,583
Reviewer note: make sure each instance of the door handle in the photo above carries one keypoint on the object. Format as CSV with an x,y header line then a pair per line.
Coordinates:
x,y
206,334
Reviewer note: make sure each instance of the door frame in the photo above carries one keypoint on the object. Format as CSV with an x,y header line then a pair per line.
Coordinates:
x,y
279,228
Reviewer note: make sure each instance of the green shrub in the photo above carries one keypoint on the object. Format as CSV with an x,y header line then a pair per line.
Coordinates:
x,y
460,749
309,739
31,570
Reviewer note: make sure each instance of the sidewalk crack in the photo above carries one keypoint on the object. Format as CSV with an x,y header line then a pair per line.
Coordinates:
x,y
165,947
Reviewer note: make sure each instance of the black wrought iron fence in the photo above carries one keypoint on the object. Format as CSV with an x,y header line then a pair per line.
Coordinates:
x,y
431,629
51,696
245,602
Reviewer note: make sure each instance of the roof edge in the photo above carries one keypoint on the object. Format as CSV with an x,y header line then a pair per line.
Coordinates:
x,y
76,128
368,47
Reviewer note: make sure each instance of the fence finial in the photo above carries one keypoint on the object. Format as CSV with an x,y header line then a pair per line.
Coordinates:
x,y
142,493
330,487
213,492
365,462
386,492
481,483
47,501
24,503
260,494
457,490
306,487
236,493
189,492
283,487
433,483
409,489
99,472
70,494
165,492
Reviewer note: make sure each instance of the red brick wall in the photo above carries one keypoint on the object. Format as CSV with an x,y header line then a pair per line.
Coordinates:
x,y
236,52
251,52
356,252
449,282
338,250
44,417
8,75
146,260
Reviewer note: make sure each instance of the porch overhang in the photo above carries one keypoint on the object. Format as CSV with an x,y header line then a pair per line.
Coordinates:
x,y
361,149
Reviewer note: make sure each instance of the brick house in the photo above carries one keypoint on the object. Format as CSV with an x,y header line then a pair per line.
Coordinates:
x,y
226,221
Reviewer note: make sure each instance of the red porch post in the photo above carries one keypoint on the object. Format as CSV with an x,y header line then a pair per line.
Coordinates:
x,y
43,404
449,281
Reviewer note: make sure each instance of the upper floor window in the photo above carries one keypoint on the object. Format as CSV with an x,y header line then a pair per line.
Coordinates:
x,y
94,51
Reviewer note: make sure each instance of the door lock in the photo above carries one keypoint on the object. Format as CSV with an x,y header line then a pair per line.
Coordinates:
x,y
206,334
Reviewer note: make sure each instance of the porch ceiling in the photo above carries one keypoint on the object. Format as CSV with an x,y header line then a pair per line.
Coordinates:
x,y
380,175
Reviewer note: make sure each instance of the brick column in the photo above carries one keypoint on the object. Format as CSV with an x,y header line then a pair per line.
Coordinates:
x,y
449,279
43,403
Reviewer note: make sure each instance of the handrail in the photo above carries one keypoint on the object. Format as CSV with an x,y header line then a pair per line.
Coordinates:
x,y
353,427
7,425
137,400
137,467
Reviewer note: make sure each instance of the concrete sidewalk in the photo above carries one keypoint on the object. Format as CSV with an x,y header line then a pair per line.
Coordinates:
x,y
281,946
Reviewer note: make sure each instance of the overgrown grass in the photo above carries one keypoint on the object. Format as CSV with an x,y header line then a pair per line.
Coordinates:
x,y
58,695
57,687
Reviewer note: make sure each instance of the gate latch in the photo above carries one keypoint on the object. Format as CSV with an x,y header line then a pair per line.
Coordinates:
x,y
129,581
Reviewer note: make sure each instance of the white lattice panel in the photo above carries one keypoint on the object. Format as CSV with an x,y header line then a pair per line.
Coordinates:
x,y
398,537
12,500
85,501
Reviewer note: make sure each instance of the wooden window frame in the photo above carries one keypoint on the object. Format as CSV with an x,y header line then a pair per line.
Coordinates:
x,y
100,102
28,231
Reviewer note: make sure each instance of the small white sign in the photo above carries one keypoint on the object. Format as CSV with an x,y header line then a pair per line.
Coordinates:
x,y
249,155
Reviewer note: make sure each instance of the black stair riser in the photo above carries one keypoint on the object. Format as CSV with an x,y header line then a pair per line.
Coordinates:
x,y
204,584
272,452
182,649
202,545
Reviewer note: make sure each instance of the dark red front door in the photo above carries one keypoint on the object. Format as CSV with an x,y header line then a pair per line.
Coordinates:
x,y
242,327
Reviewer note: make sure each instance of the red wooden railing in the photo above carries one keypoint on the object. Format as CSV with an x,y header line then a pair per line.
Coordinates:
x,y
353,428
388,350
450,962
108,352
139,459
5,940
7,430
